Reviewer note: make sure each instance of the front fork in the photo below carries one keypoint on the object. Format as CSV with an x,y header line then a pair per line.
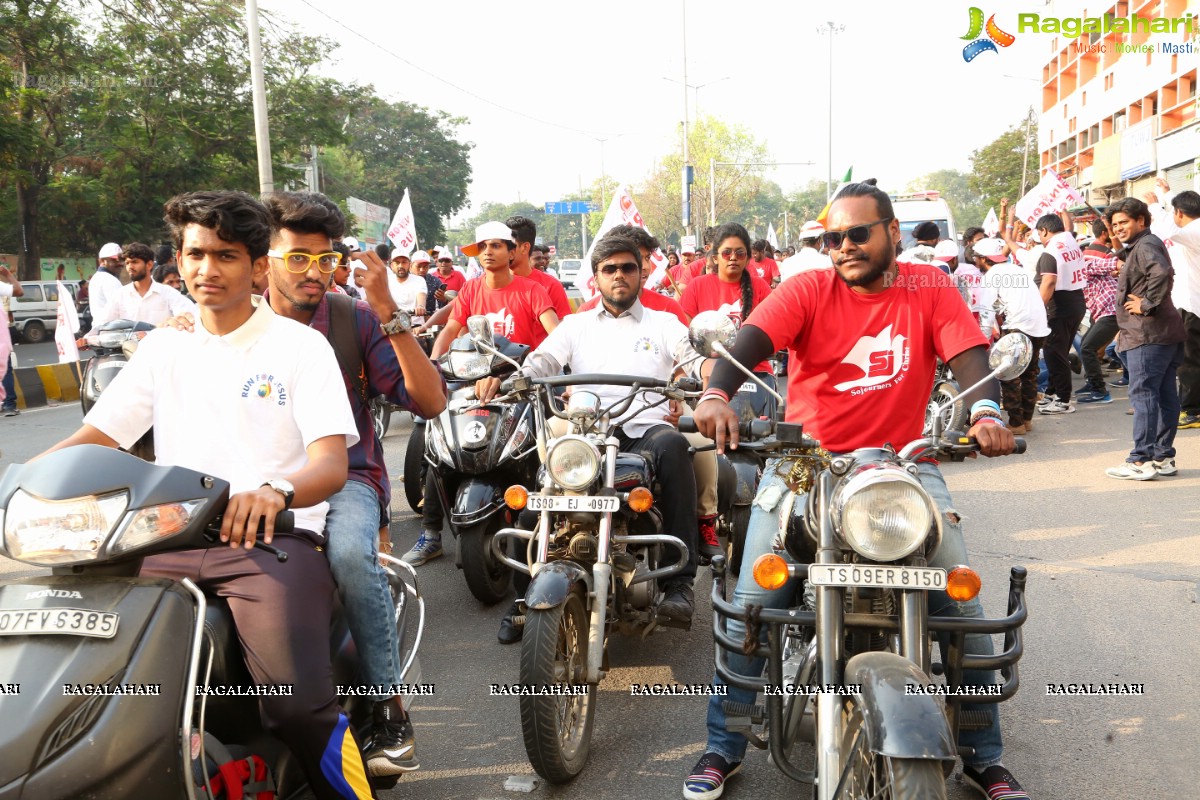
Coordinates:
x,y
602,571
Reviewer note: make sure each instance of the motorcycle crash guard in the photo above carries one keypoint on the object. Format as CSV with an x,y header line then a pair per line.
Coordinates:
x,y
476,500
898,724
554,583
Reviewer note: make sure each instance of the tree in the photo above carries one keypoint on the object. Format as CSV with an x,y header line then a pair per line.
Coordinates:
x,y
996,167
955,187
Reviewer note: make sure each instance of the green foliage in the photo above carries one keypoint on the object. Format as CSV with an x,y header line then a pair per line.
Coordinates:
x,y
996,167
965,203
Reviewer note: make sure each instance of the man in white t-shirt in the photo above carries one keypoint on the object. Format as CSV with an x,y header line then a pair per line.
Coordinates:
x,y
9,287
409,290
105,285
144,299
809,256
258,400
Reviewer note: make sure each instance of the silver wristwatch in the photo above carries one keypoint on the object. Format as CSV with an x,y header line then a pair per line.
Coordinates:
x,y
401,322
285,488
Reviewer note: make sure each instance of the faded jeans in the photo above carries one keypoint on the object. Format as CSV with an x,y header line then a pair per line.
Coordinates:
x,y
1155,398
352,532
764,525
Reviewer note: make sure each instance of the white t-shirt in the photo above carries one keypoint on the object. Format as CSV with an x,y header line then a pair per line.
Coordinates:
x,y
1009,288
6,291
1183,246
160,303
242,407
1068,258
806,258
405,294
640,342
104,289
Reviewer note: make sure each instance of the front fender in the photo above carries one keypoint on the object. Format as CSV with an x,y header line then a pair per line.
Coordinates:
x,y
899,724
476,500
554,583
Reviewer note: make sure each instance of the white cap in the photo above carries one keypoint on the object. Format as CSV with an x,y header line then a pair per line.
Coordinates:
x,y
420,256
946,249
991,249
486,232
352,243
110,250
811,230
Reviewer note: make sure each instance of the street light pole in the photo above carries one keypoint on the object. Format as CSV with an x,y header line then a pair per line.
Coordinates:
x,y
687,215
262,134
832,30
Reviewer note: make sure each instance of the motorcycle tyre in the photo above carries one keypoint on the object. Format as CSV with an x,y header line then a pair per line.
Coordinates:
x,y
943,391
541,646
414,468
488,581
912,778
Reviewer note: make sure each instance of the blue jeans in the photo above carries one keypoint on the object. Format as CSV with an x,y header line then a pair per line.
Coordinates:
x,y
352,530
1155,398
764,525
10,390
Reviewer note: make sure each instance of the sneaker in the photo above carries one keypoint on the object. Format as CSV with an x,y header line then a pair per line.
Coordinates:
x,y
995,783
427,548
1095,397
11,412
1045,400
708,777
512,626
1122,381
392,748
1188,421
1055,407
710,545
1133,472
679,601
1166,467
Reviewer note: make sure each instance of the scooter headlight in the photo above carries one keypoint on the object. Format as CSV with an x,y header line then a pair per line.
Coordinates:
x,y
467,365
883,512
53,532
574,462
148,525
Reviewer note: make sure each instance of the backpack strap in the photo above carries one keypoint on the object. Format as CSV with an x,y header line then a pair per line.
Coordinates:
x,y
343,336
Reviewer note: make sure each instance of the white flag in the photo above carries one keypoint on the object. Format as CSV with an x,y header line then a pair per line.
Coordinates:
x,y
403,231
991,223
65,326
772,239
621,211
473,269
1051,195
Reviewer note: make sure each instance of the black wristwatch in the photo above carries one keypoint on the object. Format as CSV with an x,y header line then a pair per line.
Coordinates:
x,y
285,488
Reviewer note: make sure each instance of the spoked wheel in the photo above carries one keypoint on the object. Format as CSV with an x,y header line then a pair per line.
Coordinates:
x,y
414,468
487,577
952,416
381,415
557,729
870,775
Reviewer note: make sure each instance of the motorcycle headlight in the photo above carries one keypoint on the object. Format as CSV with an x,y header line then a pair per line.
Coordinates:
x,y
574,462
436,442
148,525
51,532
467,365
883,512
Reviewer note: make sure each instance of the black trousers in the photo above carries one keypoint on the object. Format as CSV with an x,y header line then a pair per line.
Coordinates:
x,y
1098,337
1189,370
667,449
1068,313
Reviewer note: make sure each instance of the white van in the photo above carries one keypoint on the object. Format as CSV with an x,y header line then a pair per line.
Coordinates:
x,y
568,270
36,314
913,208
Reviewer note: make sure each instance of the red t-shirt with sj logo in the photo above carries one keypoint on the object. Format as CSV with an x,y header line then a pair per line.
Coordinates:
x,y
710,293
513,310
861,366
766,269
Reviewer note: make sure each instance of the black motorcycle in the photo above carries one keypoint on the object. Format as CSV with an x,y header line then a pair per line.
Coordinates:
x,y
92,514
477,450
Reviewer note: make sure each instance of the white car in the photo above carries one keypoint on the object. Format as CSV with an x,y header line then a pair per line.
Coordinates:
x,y
568,269
924,206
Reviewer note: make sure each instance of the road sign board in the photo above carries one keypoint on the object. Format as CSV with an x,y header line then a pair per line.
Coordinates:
x,y
553,250
570,207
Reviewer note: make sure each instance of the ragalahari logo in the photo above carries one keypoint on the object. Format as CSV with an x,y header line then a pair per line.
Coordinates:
x,y
994,37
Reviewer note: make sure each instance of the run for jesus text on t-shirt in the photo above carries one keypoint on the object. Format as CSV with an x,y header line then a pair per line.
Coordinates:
x,y
862,365
710,293
513,310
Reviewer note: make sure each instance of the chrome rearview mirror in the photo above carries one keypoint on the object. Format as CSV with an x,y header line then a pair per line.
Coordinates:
x,y
1010,356
710,328
480,328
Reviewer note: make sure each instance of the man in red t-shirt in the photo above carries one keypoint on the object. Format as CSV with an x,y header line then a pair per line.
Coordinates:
x,y
451,278
864,339
519,309
525,232
763,265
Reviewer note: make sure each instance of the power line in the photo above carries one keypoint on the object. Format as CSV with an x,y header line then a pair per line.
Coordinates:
x,y
440,79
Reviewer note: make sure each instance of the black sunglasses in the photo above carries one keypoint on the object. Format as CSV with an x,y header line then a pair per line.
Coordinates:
x,y
859,234
628,268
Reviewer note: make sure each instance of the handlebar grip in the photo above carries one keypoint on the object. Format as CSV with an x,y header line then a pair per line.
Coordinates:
x,y
755,428
1020,446
285,522
687,425
688,384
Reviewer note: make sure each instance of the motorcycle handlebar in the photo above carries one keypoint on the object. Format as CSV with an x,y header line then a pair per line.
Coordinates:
x,y
285,522
596,377
967,444
748,429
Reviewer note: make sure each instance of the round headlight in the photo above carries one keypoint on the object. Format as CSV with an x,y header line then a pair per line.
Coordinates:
x,y
883,512
574,462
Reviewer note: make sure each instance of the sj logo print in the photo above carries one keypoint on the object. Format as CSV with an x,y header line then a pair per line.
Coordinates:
x,y
879,359
994,37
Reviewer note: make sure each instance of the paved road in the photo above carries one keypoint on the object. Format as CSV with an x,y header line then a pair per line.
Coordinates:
x,y
1113,590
